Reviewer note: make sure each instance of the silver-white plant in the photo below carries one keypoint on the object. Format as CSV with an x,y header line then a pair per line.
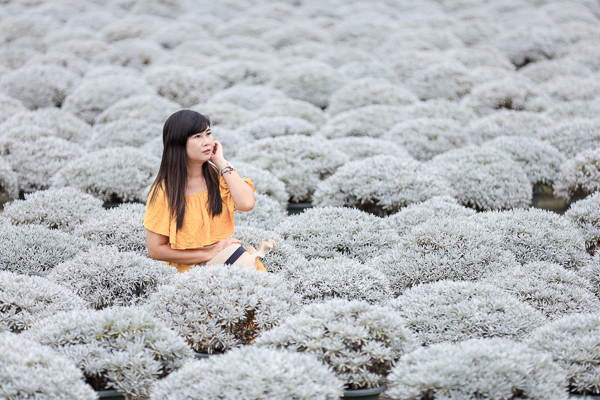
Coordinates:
x,y
269,127
9,180
301,162
436,207
447,80
224,115
39,86
36,161
105,277
448,311
57,122
124,132
569,88
293,108
508,123
252,373
573,343
579,175
63,209
264,181
573,135
373,121
94,95
183,85
235,72
217,308
360,341
540,160
483,178
340,277
122,348
328,232
361,147
385,185
545,70
496,369
114,174
246,96
425,138
311,81
367,91
9,107
131,53
27,299
266,214
149,108
35,250
591,272
578,109
55,377
585,214
525,43
512,93
537,235
121,227
438,108
548,287
278,259
442,248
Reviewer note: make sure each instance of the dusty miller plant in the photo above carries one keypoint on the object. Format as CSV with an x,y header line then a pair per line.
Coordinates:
x,y
372,121
540,160
573,135
385,185
217,308
124,132
149,108
449,311
360,341
105,277
252,373
483,178
9,181
573,343
333,231
579,176
35,250
27,299
293,108
264,181
591,272
266,214
495,369
112,174
121,227
361,147
442,248
537,235
64,209
436,207
122,348
585,214
320,280
250,97
301,162
55,377
425,138
548,287
277,259
268,127
507,123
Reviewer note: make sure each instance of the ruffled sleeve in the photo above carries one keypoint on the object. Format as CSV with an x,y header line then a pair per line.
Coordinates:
x,y
157,217
226,194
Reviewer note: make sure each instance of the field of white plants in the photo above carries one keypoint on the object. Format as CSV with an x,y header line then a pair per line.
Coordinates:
x,y
422,132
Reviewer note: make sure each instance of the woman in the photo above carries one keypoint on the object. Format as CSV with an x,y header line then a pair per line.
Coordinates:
x,y
189,215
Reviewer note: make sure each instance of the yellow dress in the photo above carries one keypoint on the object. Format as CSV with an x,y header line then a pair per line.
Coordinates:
x,y
199,229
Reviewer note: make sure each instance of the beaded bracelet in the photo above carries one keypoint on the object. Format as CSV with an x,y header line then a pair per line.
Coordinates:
x,y
227,171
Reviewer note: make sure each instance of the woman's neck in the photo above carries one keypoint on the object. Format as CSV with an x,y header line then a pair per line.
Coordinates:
x,y
194,170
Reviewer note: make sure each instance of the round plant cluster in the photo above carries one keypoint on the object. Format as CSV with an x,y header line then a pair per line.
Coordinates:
x,y
579,176
585,214
385,185
218,308
358,340
122,348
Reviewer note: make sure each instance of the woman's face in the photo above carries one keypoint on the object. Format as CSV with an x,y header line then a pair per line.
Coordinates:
x,y
199,146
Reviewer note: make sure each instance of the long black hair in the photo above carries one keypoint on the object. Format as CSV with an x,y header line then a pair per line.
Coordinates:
x,y
173,173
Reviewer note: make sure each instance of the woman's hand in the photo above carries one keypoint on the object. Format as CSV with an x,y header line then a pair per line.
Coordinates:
x,y
223,244
217,153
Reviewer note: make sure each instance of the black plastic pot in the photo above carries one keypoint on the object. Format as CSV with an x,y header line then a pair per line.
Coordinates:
x,y
110,395
365,394
297,208
584,396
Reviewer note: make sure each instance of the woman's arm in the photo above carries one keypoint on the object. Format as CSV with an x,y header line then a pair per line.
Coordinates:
x,y
241,193
160,249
